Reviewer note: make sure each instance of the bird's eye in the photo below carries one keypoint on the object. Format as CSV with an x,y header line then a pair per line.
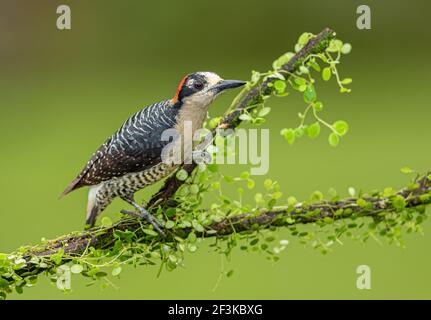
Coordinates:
x,y
198,85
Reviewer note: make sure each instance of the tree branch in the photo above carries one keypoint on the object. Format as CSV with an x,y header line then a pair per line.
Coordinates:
x,y
417,195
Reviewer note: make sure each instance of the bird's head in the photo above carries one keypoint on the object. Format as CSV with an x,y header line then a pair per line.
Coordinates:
x,y
201,88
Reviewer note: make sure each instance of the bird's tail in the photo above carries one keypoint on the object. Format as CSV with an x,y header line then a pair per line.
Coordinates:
x,y
94,206
75,184
92,216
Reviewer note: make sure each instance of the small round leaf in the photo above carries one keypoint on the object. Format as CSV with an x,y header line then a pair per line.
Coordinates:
x,y
333,139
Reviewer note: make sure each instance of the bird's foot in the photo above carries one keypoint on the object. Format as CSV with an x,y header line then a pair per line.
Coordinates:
x,y
144,214
156,224
133,214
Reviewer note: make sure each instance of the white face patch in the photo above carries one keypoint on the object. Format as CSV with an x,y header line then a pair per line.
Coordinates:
x,y
205,96
211,78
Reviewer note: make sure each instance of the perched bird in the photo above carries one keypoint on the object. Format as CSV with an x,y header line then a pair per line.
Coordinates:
x,y
131,158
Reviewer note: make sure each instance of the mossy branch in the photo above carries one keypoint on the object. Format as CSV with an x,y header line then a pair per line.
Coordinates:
x,y
417,196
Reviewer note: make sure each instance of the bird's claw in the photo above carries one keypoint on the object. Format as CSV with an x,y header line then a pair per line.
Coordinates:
x,y
156,224
144,214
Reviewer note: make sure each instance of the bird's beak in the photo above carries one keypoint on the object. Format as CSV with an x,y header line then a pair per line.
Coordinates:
x,y
227,84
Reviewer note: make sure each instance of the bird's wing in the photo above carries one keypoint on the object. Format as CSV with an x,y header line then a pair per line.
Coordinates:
x,y
136,146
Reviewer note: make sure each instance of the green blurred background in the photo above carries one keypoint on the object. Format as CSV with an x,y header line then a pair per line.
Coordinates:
x,y
63,92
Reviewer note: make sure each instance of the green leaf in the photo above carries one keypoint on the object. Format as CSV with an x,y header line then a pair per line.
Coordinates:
x,y
255,76
192,247
229,273
284,242
299,81
116,271
278,75
335,45
406,170
216,185
328,220
291,201
290,220
361,202
212,167
267,184
317,105
126,236
303,38
245,175
192,237
171,212
289,135
326,74
213,123
101,274
250,183
3,283
245,117
284,94
264,111
341,127
277,195
302,88
76,268
194,189
258,121
346,81
169,224
277,64
182,175
346,48
399,202
280,86
304,69
299,132
345,90
314,65
317,196
228,179
333,139
150,232
258,197
57,257
313,130
106,222
197,226
309,94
